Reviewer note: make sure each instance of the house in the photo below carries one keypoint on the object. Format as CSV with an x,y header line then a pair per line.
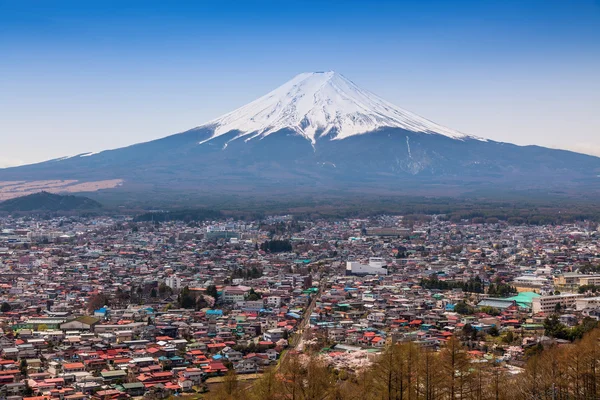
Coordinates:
x,y
83,323
233,355
247,366
185,384
195,375
14,389
113,376
272,354
273,335
70,368
110,394
134,389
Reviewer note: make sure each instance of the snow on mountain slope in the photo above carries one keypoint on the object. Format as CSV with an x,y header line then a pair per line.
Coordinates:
x,y
317,104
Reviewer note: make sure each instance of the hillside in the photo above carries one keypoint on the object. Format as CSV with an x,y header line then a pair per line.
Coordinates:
x,y
44,201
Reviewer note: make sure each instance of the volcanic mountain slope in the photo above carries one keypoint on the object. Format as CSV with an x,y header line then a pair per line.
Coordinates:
x,y
320,130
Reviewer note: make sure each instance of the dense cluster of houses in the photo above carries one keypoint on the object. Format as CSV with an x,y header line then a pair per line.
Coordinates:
x,y
109,308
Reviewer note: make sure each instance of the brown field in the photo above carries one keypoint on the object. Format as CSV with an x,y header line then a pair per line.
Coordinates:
x,y
12,189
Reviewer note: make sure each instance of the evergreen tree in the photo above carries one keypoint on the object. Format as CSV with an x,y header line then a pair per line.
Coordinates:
x,y
23,368
211,290
186,299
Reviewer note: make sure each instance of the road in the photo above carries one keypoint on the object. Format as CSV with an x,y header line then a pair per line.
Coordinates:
x,y
301,332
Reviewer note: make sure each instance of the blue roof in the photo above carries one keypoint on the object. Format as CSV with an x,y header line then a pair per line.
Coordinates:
x,y
214,312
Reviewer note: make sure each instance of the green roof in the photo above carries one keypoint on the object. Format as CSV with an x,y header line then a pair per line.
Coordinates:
x,y
113,374
524,299
532,326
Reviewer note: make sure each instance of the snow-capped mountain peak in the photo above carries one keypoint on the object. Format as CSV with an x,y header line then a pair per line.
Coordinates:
x,y
318,104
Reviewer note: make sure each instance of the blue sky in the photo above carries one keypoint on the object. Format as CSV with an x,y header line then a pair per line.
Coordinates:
x,y
78,76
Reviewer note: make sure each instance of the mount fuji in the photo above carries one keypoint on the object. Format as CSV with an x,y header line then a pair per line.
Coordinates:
x,y
320,131
321,104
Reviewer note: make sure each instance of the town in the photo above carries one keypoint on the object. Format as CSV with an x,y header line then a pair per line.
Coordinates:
x,y
110,308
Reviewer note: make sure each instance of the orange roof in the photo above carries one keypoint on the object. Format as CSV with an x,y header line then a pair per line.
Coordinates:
x,y
73,365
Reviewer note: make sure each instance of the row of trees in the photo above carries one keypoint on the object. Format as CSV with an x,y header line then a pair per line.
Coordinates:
x,y
554,328
473,285
187,299
180,215
500,289
276,246
589,269
246,273
588,288
408,372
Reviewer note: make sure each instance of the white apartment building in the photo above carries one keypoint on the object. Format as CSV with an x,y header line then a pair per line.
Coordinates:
x,y
531,280
274,301
234,294
174,282
547,304
587,302
376,266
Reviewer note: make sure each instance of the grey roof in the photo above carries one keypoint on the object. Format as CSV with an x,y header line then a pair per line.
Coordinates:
x,y
496,303
133,385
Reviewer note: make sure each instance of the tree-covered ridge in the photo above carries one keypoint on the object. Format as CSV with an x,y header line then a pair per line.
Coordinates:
x,y
188,215
44,201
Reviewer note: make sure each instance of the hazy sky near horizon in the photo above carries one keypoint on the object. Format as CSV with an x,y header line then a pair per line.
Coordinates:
x,y
81,76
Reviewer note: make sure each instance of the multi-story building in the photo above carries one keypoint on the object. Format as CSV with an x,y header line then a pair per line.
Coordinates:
x,y
233,294
274,301
547,304
576,279
587,302
174,282
376,266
